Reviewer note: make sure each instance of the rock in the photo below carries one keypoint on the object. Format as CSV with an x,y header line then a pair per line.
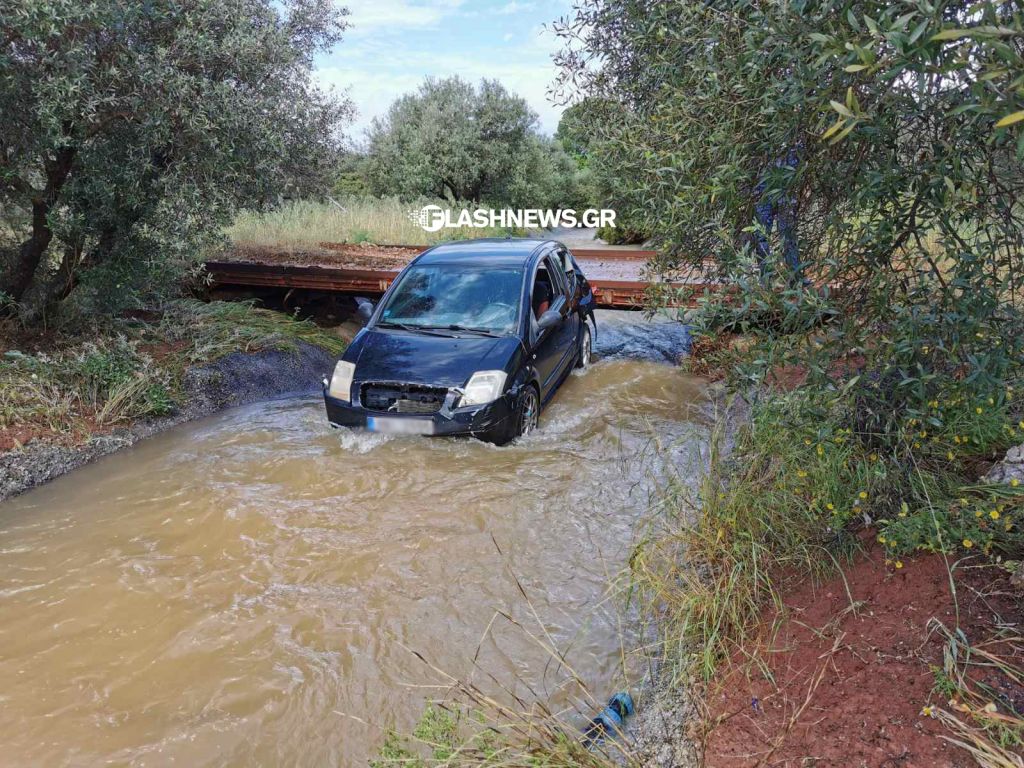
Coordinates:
x,y
1009,469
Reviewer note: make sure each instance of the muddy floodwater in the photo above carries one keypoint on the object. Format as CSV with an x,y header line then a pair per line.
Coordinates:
x,y
249,589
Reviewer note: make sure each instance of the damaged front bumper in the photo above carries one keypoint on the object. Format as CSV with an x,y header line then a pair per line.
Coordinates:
x,y
487,422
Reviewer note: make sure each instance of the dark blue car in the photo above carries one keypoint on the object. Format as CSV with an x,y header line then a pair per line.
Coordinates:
x,y
472,338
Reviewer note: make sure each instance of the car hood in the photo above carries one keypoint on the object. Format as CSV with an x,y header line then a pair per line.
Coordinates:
x,y
422,359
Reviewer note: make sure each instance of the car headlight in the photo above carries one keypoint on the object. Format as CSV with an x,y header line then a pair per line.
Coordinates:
x,y
341,381
483,387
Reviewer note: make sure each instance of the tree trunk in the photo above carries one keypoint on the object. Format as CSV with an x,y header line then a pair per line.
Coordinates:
x,y
63,281
19,279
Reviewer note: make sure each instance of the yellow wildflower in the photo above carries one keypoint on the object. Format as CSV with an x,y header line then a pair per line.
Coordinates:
x,y
830,506
949,455
881,539
898,563
928,711
1015,482
994,514
801,473
968,543
979,409
863,494
820,449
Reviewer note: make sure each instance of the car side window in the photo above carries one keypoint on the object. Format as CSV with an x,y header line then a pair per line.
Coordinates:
x,y
543,291
557,275
568,269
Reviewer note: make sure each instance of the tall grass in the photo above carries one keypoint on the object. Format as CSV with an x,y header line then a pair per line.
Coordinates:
x,y
789,503
305,223
776,505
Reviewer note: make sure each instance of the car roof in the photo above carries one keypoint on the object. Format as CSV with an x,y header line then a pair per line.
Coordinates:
x,y
494,251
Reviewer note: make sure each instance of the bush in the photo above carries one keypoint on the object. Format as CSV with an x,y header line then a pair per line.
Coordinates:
x,y
621,235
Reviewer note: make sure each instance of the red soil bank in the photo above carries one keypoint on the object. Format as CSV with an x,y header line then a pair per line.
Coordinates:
x,y
848,686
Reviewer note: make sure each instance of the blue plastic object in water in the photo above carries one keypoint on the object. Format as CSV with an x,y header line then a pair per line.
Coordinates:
x,y
609,720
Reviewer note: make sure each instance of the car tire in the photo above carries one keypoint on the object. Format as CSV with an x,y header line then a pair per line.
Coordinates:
x,y
586,349
524,418
527,412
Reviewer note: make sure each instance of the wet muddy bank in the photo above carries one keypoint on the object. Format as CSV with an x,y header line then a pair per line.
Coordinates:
x,y
235,379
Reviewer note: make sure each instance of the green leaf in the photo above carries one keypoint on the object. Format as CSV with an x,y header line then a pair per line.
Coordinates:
x,y
951,34
845,133
1010,119
855,67
840,108
837,125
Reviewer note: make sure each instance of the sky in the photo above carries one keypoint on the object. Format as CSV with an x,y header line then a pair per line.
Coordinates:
x,y
392,45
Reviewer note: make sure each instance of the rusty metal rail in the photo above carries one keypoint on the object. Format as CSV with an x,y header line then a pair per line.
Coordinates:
x,y
612,294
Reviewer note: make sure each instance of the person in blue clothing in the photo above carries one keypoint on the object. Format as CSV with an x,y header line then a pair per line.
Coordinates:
x,y
781,209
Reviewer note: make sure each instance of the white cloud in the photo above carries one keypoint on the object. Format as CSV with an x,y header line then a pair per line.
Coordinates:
x,y
514,7
375,69
373,15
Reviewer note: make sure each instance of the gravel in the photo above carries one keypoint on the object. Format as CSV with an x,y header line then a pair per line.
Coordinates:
x,y
236,379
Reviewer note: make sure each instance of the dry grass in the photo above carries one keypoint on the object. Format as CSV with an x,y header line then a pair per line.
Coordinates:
x,y
981,722
122,369
383,221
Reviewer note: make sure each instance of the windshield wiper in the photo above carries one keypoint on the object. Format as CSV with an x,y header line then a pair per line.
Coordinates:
x,y
414,328
481,331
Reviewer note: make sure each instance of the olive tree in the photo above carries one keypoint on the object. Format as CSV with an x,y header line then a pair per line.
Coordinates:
x,y
894,129
463,143
132,131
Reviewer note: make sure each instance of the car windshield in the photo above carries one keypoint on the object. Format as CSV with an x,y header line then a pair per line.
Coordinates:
x,y
456,297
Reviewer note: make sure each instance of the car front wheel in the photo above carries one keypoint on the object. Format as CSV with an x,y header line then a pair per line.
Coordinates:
x,y
528,413
586,347
523,420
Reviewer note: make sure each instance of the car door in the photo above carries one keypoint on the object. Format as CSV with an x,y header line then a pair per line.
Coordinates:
x,y
560,346
544,343
570,327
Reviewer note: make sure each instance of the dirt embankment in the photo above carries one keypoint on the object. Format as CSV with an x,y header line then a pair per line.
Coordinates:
x,y
235,379
856,665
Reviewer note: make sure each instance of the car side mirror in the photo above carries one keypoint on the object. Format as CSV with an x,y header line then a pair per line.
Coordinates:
x,y
549,319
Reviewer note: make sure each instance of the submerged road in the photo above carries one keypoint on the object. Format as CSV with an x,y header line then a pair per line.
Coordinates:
x,y
247,589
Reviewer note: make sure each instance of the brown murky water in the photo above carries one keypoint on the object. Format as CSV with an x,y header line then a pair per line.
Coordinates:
x,y
247,590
